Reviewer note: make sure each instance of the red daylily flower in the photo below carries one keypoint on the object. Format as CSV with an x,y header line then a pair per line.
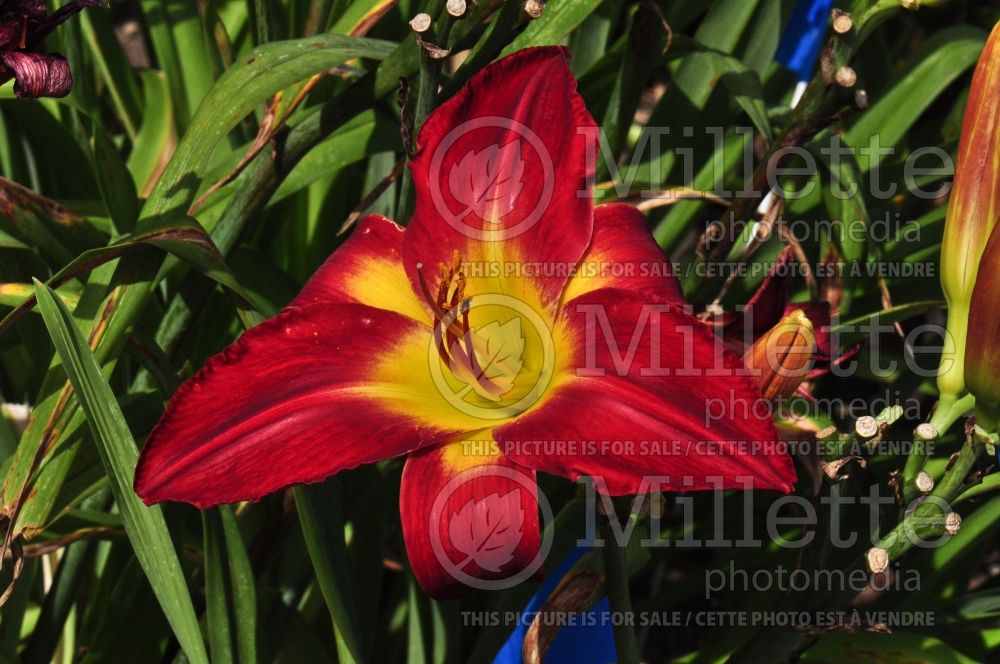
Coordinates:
x,y
23,26
508,358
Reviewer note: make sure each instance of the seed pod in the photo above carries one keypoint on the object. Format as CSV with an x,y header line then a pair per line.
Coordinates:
x,y
780,359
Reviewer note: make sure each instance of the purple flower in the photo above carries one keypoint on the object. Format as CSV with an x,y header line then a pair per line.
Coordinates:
x,y
23,26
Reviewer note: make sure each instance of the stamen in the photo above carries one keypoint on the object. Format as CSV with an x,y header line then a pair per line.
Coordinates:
x,y
439,311
423,286
442,294
438,314
455,340
467,338
459,293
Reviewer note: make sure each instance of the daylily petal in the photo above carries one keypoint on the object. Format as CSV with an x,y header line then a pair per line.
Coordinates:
x,y
469,515
684,405
768,302
313,391
366,269
23,9
623,254
818,314
53,20
10,35
765,307
39,74
501,174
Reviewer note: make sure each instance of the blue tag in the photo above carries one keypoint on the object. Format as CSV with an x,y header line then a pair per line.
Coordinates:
x,y
591,639
803,36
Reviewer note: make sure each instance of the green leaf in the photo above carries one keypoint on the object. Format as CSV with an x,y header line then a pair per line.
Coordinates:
x,y
845,202
896,648
144,525
559,19
14,612
744,85
195,70
217,591
14,295
113,67
941,60
241,583
255,78
58,603
356,13
161,40
115,183
321,516
72,469
156,136
183,238
694,78
231,599
8,241
416,649
719,31
8,437
370,132
851,331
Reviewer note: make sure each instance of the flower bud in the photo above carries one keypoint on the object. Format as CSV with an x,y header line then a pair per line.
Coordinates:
x,y
972,208
781,358
982,350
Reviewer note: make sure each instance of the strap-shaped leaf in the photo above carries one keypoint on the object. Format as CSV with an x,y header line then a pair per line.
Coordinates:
x,y
144,525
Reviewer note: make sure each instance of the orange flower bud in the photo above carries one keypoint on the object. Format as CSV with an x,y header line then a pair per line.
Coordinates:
x,y
781,358
982,350
973,207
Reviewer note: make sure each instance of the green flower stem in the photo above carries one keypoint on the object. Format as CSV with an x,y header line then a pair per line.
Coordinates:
x,y
951,372
948,411
616,581
928,519
426,98
873,16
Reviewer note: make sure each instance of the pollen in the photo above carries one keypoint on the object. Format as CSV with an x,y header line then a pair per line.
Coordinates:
x,y
451,282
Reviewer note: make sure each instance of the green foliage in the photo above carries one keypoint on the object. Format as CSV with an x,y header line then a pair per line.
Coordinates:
x,y
143,227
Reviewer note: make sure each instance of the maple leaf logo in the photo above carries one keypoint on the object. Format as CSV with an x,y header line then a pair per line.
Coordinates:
x,y
488,531
488,182
499,349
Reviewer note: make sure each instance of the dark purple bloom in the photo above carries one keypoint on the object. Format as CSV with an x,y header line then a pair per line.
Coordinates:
x,y
23,26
